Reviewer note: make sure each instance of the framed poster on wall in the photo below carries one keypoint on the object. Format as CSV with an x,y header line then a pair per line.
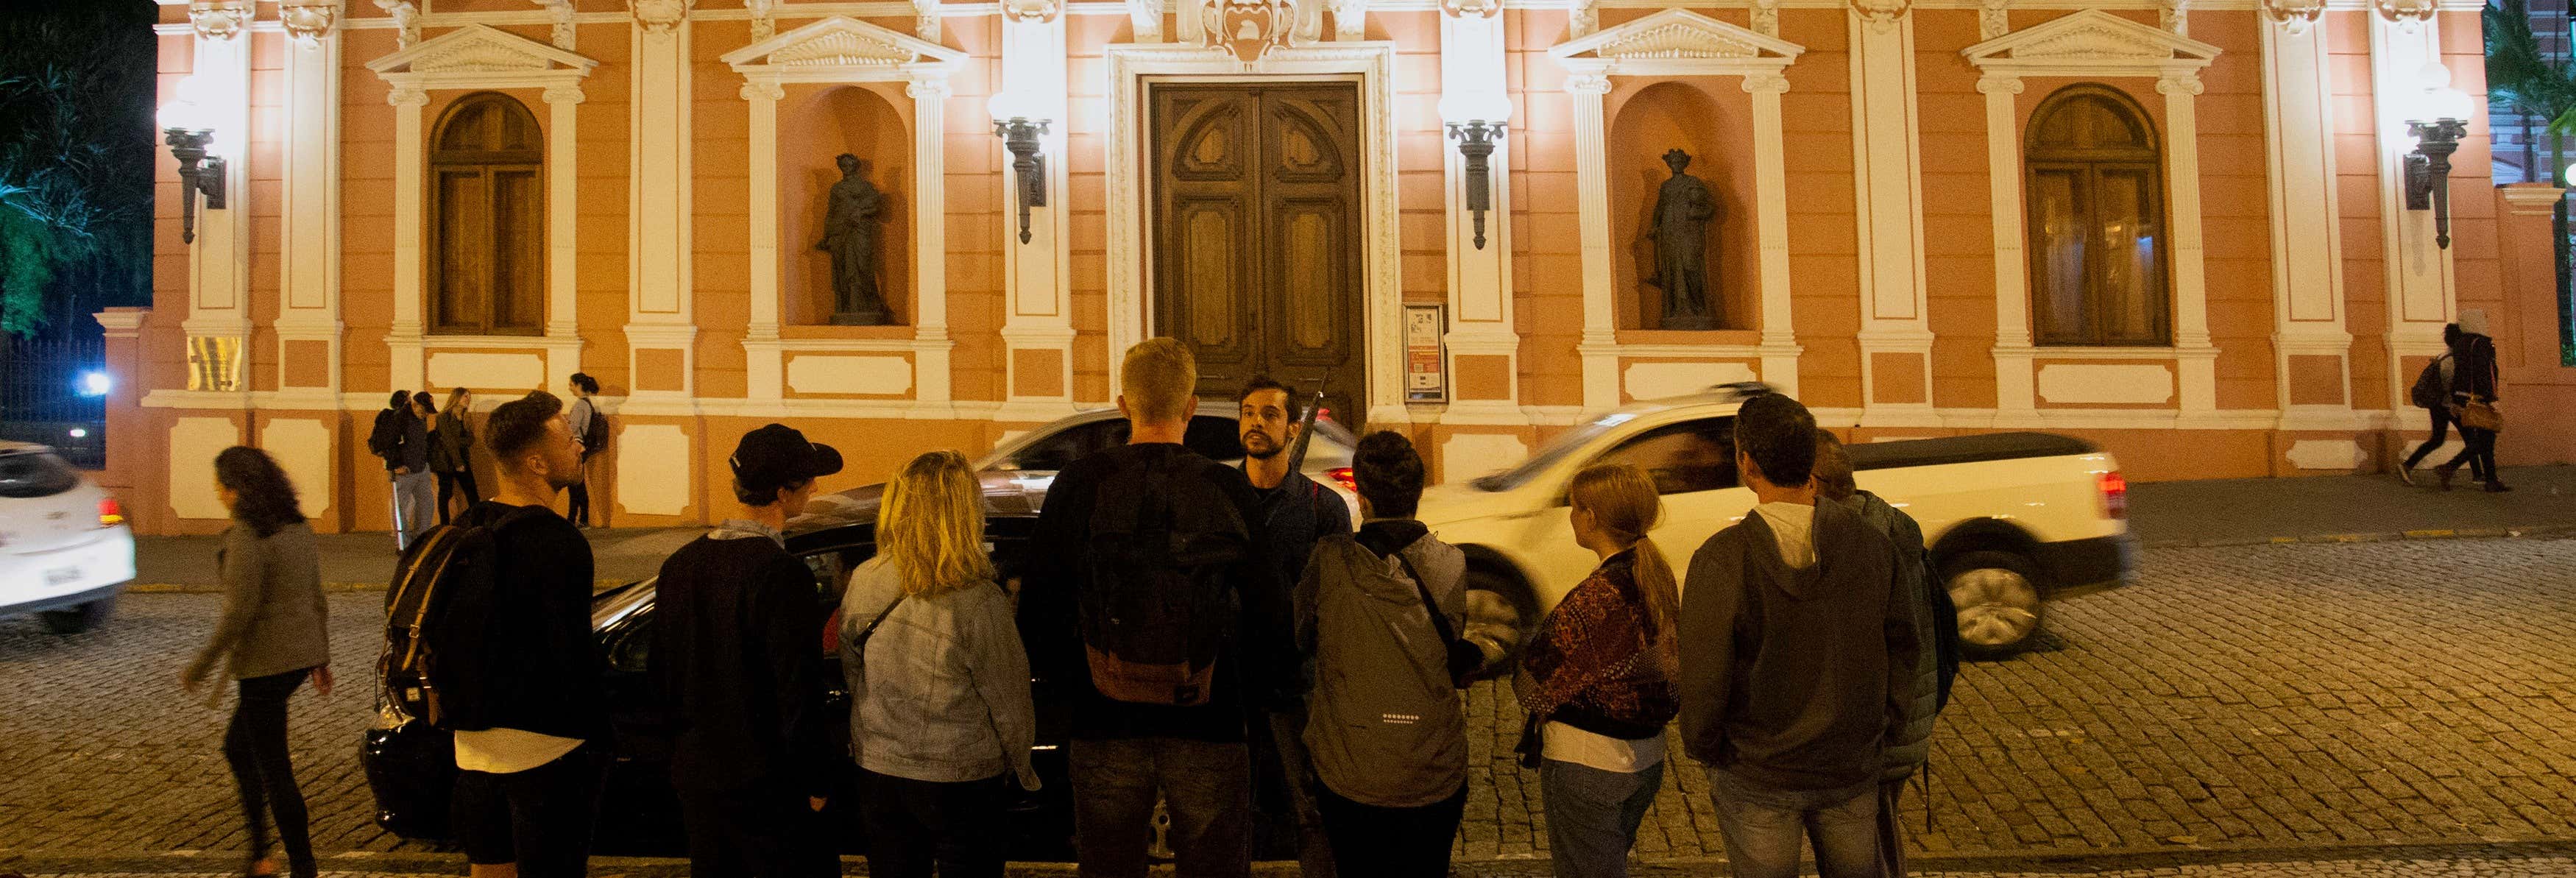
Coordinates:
x,y
1426,372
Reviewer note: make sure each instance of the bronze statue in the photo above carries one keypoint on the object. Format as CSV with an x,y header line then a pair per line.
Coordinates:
x,y
850,235
1679,228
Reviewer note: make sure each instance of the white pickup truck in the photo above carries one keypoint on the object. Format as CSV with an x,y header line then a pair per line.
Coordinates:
x,y
2011,519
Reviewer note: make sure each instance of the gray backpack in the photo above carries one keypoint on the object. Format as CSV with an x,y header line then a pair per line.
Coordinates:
x,y
1386,716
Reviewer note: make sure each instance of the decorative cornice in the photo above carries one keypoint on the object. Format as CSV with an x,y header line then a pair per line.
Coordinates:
x,y
407,96
659,16
1881,15
2188,84
219,20
1765,83
836,47
1474,8
2531,199
1677,37
2295,16
2406,12
1999,82
564,94
762,91
1032,11
2092,43
308,21
1587,83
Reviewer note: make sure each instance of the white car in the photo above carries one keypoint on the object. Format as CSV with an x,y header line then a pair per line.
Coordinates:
x,y
2011,519
65,551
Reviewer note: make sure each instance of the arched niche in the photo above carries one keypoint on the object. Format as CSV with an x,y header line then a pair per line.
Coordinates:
x,y
816,124
1714,125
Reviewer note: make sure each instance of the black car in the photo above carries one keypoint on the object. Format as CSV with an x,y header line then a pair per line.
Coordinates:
x,y
410,766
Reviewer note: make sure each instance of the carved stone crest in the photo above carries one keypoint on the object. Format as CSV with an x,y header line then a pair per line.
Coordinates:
x,y
2294,16
308,20
1882,14
659,16
406,16
219,19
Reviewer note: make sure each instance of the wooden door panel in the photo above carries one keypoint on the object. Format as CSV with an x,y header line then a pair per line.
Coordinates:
x,y
1256,234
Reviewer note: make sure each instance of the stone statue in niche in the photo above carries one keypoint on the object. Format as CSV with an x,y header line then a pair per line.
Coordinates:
x,y
1684,208
850,235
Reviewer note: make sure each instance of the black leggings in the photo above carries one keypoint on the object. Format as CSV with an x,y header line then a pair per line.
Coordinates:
x,y
579,508
2479,453
255,746
447,483
2441,431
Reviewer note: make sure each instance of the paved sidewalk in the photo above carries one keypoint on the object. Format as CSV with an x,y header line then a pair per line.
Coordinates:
x,y
2221,512
366,560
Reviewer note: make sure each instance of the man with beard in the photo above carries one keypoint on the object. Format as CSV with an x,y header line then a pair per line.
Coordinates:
x,y
1295,512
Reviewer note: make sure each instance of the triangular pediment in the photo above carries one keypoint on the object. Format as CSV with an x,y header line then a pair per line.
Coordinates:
x,y
840,41
481,49
2092,40
1677,35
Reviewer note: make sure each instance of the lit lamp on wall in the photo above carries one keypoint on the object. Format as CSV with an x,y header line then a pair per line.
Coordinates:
x,y
1476,120
189,128
1016,122
2443,120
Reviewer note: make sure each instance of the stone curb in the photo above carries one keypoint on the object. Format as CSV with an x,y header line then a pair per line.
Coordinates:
x,y
2467,533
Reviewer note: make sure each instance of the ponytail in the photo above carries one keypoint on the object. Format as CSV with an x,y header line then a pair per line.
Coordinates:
x,y
1623,503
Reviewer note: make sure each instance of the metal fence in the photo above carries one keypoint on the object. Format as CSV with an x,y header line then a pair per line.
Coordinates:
x,y
50,394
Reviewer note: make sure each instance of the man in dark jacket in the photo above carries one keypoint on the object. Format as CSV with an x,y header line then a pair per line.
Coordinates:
x,y
736,645
1123,752
401,437
1295,512
535,747
2474,380
1797,652
1909,734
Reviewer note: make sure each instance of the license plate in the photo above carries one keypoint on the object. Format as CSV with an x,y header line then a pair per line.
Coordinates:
x,y
60,575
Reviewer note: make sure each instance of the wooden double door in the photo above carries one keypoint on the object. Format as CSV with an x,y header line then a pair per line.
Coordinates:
x,y
1257,235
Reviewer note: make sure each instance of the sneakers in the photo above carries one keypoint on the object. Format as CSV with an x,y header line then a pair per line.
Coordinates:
x,y
2446,471
2494,487
2406,474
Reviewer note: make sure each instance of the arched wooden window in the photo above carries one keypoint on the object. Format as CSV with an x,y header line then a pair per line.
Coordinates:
x,y
487,232
2095,183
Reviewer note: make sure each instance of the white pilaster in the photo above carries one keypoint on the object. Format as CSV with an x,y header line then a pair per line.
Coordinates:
x,y
2421,295
1480,276
1038,289
2196,358
1780,347
219,307
660,312
1599,346
1889,187
931,344
2015,389
766,370
405,336
2307,243
309,246
563,219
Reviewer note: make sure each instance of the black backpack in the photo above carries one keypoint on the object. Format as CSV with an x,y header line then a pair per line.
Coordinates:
x,y
1945,638
1156,604
2430,392
387,438
438,612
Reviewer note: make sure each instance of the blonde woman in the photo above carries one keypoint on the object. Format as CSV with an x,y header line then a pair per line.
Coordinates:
x,y
1598,680
939,683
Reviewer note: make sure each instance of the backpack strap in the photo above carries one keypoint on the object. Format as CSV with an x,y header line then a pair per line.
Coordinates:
x,y
1439,620
860,646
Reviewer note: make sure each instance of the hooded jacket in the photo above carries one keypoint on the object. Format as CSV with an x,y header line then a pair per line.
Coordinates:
x,y
1791,676
1385,725
1918,699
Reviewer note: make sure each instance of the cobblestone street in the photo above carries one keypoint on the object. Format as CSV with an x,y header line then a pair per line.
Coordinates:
x,y
2254,698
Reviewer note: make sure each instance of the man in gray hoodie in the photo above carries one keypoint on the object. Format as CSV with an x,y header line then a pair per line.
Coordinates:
x,y
1798,651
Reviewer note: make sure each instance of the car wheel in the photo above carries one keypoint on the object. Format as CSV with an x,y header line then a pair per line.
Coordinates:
x,y
1501,613
1999,602
79,619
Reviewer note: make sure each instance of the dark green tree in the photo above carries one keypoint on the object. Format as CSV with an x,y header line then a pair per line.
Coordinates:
x,y
76,160
2533,83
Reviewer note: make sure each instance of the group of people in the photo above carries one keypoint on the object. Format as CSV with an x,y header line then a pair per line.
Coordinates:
x,y
419,440
1203,615
2462,387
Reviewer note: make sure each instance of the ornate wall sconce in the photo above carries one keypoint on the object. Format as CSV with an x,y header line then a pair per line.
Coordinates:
x,y
189,131
1482,128
1019,134
2446,111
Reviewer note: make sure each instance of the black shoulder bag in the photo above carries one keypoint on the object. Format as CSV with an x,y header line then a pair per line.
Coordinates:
x,y
1465,658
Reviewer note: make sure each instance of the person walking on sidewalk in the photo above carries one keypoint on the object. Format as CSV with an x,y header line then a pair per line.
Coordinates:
x,y
273,636
1389,732
1798,655
1295,513
588,436
2477,386
943,725
1597,682
736,659
530,726
1936,658
401,437
1151,573
451,452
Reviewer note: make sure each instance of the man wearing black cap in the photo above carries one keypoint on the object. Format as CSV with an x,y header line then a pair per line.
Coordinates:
x,y
735,656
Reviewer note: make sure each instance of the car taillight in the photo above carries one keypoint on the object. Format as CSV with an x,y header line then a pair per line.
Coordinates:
x,y
1341,475
2115,495
110,514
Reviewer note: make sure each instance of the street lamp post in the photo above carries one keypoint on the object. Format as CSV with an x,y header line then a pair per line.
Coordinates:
x,y
1013,123
1475,120
2445,112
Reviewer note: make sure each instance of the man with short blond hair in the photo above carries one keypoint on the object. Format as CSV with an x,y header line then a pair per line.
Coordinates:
x,y
1178,644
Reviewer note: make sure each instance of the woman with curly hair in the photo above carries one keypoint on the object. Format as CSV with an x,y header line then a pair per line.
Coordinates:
x,y
271,637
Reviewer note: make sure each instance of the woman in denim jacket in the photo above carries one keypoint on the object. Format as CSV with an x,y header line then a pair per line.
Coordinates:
x,y
939,683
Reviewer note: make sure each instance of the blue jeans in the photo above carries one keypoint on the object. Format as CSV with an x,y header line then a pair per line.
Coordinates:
x,y
1764,827
1592,816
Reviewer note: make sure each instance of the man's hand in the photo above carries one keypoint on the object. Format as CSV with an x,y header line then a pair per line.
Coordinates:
x,y
402,470
814,802
322,680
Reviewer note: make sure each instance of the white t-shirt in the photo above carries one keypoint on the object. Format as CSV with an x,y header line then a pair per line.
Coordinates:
x,y
1793,525
509,751
1565,743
